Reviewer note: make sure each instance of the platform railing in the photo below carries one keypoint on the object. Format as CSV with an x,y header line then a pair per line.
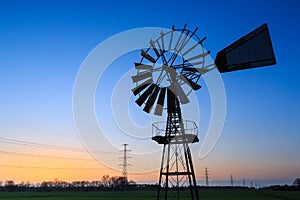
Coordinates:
x,y
159,128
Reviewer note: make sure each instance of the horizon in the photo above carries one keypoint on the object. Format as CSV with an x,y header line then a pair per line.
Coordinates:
x,y
256,183
43,46
238,181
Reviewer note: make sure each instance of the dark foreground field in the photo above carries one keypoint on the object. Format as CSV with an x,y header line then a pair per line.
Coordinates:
x,y
205,194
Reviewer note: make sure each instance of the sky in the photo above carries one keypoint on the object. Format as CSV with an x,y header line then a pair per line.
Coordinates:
x,y
43,45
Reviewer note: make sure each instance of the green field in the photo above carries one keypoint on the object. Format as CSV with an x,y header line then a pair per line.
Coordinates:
x,y
206,194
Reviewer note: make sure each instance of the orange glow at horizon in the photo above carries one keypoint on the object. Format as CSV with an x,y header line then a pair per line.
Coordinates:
x,y
54,165
67,170
20,168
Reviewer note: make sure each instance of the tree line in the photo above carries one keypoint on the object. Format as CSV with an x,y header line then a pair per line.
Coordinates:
x,y
106,183
115,183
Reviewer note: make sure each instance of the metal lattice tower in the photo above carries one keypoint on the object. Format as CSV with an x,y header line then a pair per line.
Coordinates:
x,y
125,161
206,177
177,177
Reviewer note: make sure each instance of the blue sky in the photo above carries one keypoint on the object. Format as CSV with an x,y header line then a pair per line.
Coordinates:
x,y
44,43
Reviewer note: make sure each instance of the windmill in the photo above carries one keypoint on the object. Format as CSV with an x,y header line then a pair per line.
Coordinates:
x,y
169,70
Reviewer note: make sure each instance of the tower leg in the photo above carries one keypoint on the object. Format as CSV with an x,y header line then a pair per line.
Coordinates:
x,y
160,173
195,188
177,177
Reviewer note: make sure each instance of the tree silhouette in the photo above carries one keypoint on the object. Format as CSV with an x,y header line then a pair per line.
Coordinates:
x,y
105,180
297,183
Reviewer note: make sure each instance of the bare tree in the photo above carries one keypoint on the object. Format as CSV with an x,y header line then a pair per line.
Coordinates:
x,y
106,180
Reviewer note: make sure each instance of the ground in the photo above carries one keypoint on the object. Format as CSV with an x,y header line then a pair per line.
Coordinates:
x,y
205,194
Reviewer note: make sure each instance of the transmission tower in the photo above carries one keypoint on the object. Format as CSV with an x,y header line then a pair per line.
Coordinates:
x,y
206,177
231,180
125,163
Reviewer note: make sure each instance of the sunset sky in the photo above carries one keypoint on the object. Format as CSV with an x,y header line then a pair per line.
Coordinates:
x,y
43,44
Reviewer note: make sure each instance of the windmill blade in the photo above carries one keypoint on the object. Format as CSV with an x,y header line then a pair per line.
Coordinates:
x,y
190,49
154,48
160,102
161,50
143,66
147,56
178,91
191,69
187,65
141,76
191,83
196,63
162,40
145,95
179,42
142,86
253,50
202,40
201,70
184,43
193,47
151,99
179,38
197,56
171,38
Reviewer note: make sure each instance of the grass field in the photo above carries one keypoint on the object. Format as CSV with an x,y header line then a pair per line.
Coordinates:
x,y
206,194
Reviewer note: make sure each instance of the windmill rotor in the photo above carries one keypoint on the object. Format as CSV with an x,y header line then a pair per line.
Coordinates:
x,y
171,63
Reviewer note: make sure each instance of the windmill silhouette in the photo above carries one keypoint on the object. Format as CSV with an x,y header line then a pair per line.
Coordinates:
x,y
169,70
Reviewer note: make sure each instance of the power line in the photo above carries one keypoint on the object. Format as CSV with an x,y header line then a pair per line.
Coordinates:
x,y
48,168
140,165
48,146
44,156
26,143
56,147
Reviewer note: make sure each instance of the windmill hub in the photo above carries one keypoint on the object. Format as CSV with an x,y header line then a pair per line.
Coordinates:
x,y
164,70
161,76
